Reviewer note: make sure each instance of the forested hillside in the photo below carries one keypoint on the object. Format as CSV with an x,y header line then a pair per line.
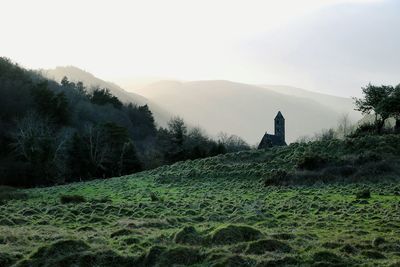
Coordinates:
x,y
75,74
55,133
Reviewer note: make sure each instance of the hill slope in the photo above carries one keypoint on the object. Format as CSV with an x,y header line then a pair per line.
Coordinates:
x,y
214,211
246,110
339,104
75,74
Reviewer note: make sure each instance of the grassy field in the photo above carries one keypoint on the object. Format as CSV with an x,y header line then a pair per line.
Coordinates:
x,y
217,212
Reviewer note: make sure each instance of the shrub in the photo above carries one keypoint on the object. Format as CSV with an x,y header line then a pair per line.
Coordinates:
x,y
10,193
363,194
154,197
276,177
364,129
66,199
311,162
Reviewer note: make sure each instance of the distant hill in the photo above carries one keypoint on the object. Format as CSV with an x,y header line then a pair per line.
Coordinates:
x,y
336,103
249,110
75,74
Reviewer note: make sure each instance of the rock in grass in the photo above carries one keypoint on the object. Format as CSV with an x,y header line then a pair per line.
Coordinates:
x,y
231,234
66,199
188,235
270,245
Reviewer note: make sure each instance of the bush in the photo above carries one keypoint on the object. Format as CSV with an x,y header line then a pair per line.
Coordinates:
x,y
276,177
363,194
66,199
8,193
311,162
364,129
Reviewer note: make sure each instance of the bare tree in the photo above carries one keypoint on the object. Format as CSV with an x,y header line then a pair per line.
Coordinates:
x,y
97,146
344,125
39,144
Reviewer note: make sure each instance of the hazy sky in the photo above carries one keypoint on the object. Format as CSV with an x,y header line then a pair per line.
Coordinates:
x,y
334,46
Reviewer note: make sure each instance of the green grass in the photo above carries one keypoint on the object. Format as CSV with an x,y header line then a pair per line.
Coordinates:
x,y
210,212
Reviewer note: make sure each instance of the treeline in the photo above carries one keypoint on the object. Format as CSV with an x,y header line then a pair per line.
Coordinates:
x,y
57,133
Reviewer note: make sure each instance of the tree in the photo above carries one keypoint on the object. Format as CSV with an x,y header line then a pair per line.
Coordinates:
x,y
129,160
65,81
177,132
375,100
51,105
232,143
104,97
392,106
344,125
37,142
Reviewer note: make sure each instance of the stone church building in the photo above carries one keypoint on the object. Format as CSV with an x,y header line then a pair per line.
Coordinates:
x,y
277,139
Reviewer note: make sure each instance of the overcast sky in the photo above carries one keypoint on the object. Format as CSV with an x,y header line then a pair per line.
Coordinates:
x,y
333,46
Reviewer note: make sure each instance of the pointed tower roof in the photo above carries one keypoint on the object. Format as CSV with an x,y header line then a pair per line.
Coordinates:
x,y
279,115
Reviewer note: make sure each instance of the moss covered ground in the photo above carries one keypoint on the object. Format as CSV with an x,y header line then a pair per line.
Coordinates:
x,y
215,212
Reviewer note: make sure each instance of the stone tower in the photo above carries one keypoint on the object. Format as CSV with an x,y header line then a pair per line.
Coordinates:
x,y
280,126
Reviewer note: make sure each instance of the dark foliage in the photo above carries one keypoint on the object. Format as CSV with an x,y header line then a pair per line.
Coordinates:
x,y
104,97
365,193
311,162
66,199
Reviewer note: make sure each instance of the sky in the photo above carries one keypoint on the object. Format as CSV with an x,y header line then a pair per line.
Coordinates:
x,y
331,46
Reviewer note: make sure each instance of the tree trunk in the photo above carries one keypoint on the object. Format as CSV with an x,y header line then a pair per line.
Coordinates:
x,y
397,126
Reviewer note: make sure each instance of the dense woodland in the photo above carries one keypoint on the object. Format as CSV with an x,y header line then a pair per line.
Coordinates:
x,y
53,133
